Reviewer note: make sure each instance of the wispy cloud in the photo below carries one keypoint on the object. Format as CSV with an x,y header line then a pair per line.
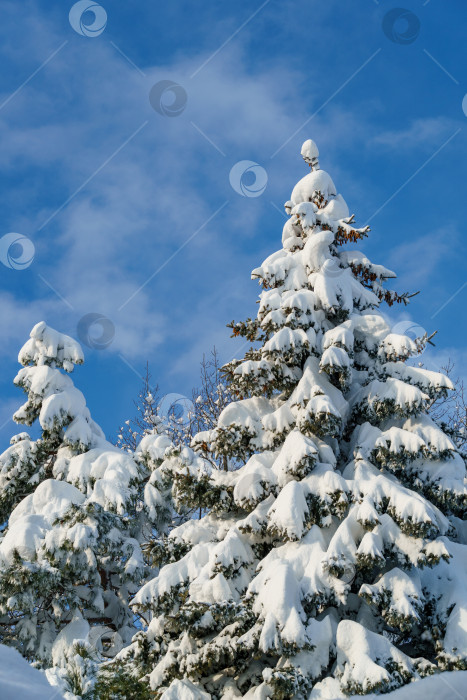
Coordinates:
x,y
420,260
426,131
123,221
96,243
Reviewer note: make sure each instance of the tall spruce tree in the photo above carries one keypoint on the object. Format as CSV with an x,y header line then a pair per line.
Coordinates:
x,y
78,511
332,562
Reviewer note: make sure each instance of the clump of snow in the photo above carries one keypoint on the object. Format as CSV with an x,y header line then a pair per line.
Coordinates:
x,y
33,518
310,153
47,346
173,575
443,686
152,447
50,500
308,186
364,659
184,690
75,631
25,538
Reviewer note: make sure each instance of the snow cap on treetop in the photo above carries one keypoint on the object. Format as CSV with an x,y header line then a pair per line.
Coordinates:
x,y
310,154
47,346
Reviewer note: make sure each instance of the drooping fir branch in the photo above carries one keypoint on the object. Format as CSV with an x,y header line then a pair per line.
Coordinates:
x,y
425,340
347,234
371,280
350,236
248,329
343,231
391,297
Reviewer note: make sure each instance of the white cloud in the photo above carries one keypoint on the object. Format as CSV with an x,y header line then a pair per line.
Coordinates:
x,y
162,186
425,131
420,260
150,198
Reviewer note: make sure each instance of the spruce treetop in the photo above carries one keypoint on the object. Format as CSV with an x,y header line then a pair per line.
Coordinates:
x,y
47,346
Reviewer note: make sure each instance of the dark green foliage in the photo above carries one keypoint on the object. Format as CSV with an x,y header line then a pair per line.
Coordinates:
x,y
116,682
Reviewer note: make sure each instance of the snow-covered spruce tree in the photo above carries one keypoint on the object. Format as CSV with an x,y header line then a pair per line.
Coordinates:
x,y
78,510
330,563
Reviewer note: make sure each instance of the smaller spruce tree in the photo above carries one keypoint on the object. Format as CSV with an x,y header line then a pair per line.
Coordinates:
x,y
78,511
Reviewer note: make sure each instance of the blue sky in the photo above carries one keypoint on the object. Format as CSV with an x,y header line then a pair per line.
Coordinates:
x,y
116,196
